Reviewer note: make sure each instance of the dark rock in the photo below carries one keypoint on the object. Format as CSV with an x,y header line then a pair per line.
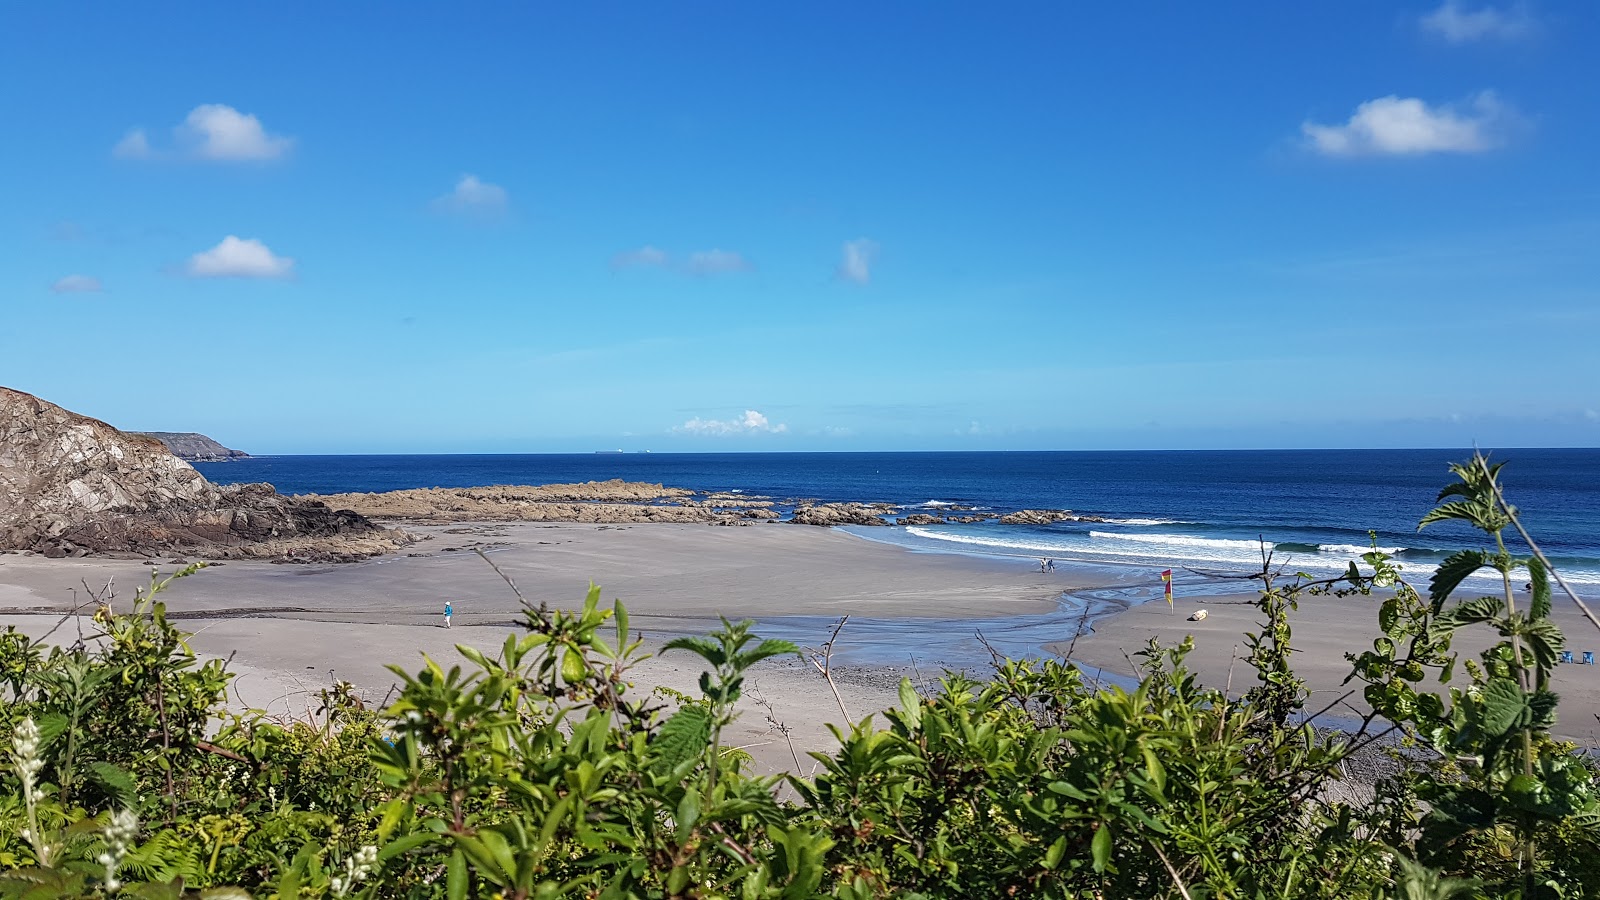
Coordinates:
x,y
1038,517
830,514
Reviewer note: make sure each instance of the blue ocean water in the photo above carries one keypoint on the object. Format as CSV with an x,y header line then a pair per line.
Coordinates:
x,y
1195,510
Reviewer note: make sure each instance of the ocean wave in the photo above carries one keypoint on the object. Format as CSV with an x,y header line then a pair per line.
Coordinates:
x,y
1358,550
936,504
1165,550
993,542
1180,540
1143,522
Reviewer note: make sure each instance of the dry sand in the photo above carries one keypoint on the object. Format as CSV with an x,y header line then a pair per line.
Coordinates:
x,y
291,629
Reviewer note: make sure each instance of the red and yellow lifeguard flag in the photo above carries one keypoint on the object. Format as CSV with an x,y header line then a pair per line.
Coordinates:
x,y
1166,580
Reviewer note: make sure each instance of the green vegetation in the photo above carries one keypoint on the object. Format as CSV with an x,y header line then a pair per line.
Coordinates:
x,y
540,773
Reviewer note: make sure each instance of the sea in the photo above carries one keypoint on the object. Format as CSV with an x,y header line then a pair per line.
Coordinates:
x,y
1208,515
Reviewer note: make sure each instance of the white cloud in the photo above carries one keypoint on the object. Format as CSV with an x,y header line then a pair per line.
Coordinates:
x,y
856,264
134,145
239,258
474,197
1406,126
644,256
77,284
212,131
220,132
751,422
714,262
1453,22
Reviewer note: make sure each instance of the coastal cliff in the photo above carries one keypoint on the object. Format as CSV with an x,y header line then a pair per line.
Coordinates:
x,y
75,486
191,446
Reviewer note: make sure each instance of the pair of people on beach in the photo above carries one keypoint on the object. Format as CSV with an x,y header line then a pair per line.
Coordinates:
x,y
1047,565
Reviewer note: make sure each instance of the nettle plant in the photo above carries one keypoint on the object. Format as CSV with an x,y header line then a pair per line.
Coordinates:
x,y
1499,797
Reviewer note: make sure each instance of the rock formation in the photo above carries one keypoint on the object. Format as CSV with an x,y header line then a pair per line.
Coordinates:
x,y
921,519
829,514
1037,517
192,447
73,486
613,501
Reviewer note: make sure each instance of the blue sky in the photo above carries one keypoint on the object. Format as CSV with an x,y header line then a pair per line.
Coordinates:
x,y
508,228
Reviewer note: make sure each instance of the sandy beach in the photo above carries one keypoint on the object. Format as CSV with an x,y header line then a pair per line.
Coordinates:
x,y
291,629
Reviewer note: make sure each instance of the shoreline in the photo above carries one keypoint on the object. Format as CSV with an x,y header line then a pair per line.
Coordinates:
x,y
913,612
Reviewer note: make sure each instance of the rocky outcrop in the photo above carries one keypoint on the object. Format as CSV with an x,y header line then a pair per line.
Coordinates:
x,y
191,447
612,502
1037,517
921,519
74,486
829,514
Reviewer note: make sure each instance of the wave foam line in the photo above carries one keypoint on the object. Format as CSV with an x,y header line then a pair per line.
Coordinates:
x,y
1181,540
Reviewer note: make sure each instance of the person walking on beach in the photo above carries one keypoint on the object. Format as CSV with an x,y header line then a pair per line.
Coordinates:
x,y
1050,565
448,612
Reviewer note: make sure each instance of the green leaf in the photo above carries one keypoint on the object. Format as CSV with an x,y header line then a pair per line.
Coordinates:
x,y
1503,705
1101,847
572,667
455,878
1540,578
706,648
1455,569
1052,857
1469,612
683,737
115,782
910,703
401,846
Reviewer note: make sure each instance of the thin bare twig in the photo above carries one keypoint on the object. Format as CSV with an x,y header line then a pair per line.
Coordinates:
x,y
823,661
1171,871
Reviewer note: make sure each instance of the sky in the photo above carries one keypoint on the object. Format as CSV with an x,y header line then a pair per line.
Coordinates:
x,y
391,228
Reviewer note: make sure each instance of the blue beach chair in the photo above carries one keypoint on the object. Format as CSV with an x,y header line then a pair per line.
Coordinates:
x,y
1566,656
1588,657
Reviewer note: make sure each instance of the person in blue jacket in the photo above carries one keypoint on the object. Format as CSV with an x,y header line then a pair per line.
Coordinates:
x,y
448,612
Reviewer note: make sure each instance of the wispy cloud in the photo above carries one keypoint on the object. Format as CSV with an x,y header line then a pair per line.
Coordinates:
x,y
751,422
134,145
646,256
213,132
239,258
475,198
77,284
716,262
1455,23
1406,126
856,262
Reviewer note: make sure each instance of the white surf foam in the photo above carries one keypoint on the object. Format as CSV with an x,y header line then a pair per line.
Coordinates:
x,y
1358,550
1180,540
